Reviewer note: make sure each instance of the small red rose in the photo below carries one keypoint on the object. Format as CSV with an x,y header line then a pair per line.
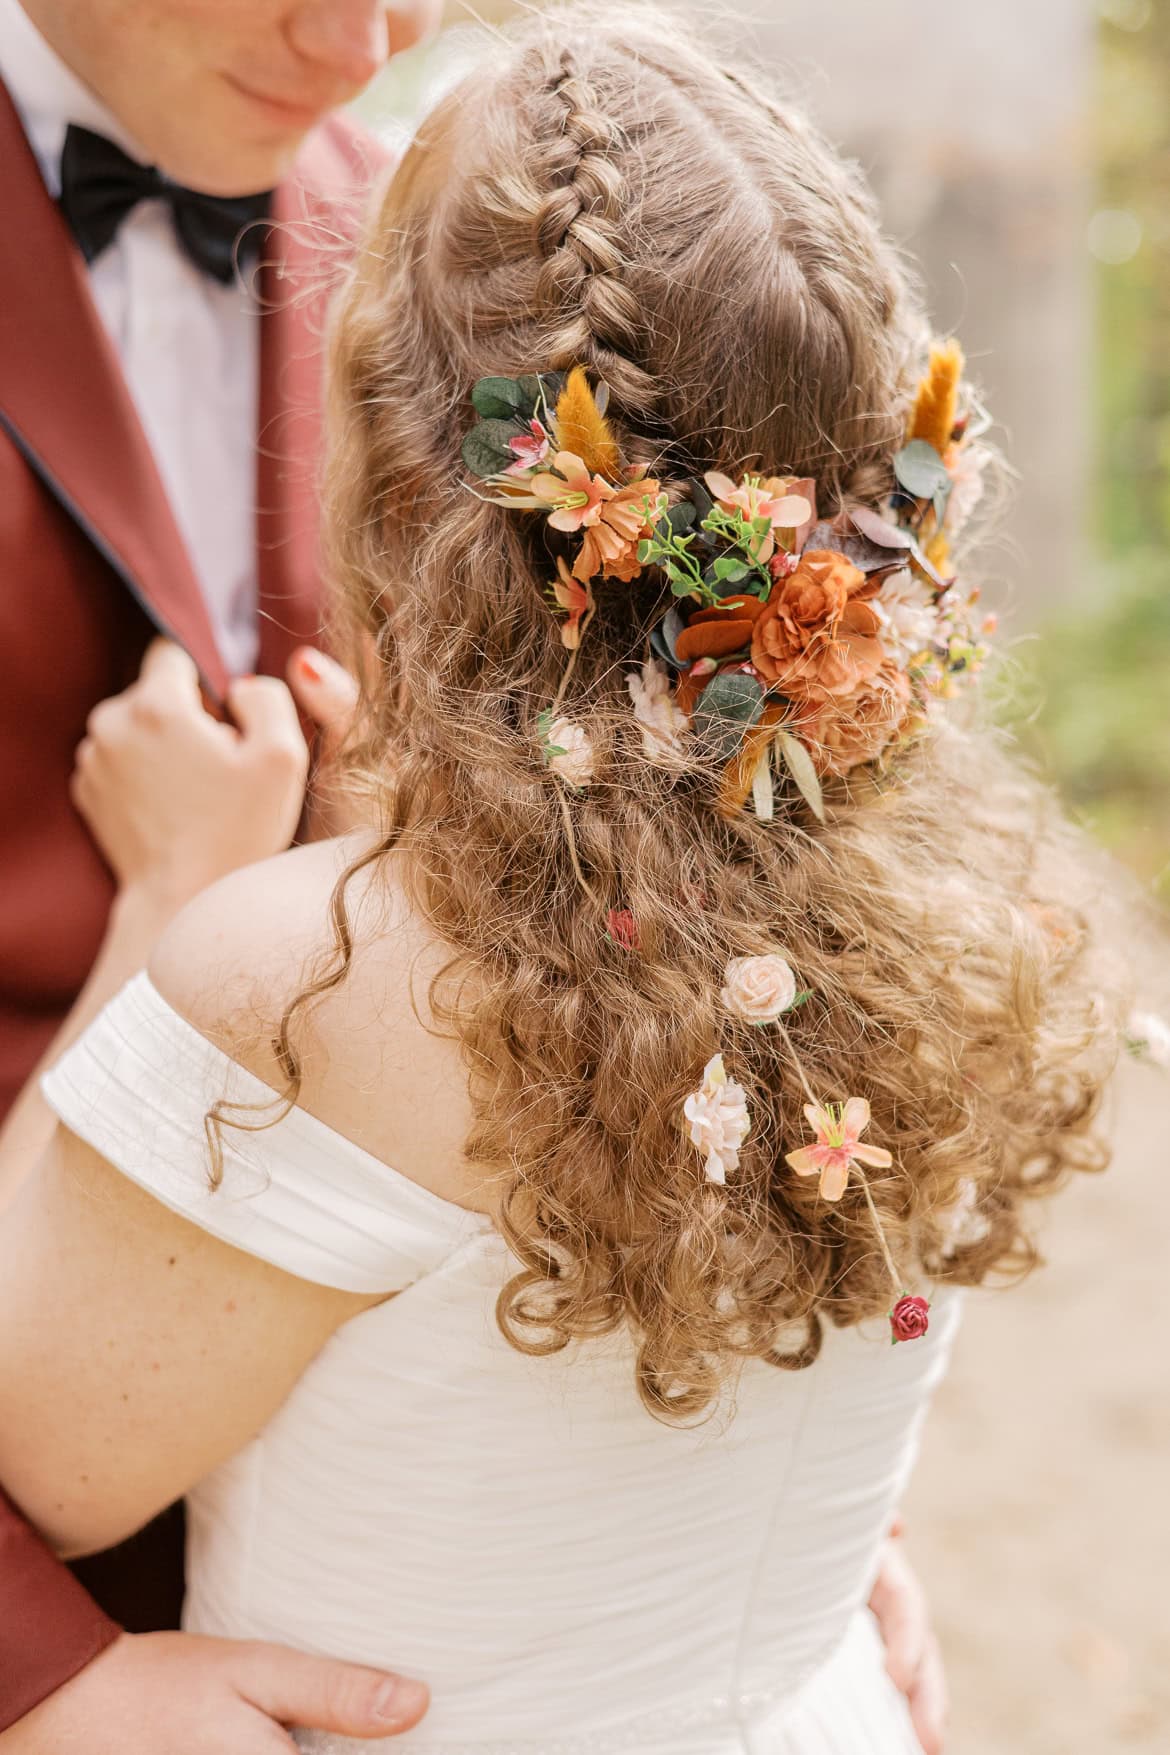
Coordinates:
x,y
622,928
909,1318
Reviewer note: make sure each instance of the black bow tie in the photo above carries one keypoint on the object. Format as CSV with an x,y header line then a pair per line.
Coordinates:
x,y
100,185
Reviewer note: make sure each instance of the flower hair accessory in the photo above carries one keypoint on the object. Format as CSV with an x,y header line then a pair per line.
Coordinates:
x,y
791,644
718,1120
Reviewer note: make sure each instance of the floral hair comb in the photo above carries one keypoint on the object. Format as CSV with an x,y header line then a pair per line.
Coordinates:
x,y
790,643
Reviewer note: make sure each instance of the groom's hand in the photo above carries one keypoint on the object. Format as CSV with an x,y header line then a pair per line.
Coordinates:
x,y
913,1659
179,1694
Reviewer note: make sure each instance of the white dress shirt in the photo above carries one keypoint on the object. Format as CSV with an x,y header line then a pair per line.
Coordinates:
x,y
189,347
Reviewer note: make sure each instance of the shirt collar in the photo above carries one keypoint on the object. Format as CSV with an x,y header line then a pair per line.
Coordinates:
x,y
49,95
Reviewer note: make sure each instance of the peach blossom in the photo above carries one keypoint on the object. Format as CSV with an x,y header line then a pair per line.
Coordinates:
x,y
576,598
838,1127
761,497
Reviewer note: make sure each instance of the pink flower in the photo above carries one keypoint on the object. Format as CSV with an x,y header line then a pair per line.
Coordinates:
x,y
838,1127
758,989
574,496
576,598
529,449
622,928
910,1318
763,497
719,1119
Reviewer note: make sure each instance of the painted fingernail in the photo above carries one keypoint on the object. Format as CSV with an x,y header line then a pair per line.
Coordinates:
x,y
399,1700
309,667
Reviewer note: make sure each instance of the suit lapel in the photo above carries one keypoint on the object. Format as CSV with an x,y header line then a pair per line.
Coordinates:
x,y
294,302
64,403
318,213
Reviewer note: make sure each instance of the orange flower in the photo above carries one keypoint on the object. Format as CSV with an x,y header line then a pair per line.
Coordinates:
x,y
574,597
842,733
817,637
717,633
572,496
610,537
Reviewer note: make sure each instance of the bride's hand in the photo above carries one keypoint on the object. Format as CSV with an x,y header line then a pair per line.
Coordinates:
x,y
174,798
913,1659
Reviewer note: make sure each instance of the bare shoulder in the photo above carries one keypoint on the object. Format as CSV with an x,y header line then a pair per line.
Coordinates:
x,y
244,947
236,959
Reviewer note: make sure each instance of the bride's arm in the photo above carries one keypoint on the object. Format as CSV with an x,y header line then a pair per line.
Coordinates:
x,y
136,1351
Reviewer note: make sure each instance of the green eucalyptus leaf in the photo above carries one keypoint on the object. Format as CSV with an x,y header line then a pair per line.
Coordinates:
x,y
538,387
500,399
700,497
920,470
664,637
800,765
728,707
681,517
729,571
733,694
485,449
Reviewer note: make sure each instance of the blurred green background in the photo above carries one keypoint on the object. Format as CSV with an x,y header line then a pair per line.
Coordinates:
x,y
1102,674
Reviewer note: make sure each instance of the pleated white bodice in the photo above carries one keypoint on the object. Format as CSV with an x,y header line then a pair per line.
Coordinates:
x,y
570,1576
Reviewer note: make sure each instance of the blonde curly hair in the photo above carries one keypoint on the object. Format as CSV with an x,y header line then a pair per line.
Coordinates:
x,y
601,192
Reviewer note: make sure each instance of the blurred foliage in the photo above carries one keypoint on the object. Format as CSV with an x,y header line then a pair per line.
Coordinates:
x,y
1102,679
1091,699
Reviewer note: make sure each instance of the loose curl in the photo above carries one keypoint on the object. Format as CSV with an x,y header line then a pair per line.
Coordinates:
x,y
604,194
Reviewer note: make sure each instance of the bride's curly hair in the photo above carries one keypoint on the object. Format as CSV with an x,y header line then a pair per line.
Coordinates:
x,y
602,192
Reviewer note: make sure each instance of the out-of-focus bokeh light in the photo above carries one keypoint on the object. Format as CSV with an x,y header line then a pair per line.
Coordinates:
x,y
1115,234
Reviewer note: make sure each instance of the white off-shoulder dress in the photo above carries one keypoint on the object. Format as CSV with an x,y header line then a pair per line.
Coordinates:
x,y
570,1576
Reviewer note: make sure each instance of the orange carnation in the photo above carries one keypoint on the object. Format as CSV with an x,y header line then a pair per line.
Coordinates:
x,y
817,636
609,540
844,733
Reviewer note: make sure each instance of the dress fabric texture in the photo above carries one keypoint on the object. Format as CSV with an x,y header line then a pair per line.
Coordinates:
x,y
569,1575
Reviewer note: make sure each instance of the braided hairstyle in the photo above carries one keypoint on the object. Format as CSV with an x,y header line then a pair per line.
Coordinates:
x,y
600,192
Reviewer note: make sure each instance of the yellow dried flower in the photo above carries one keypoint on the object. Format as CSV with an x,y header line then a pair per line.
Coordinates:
x,y
583,429
937,402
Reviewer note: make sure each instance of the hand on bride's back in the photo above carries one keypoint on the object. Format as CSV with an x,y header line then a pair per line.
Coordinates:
x,y
176,1694
175,798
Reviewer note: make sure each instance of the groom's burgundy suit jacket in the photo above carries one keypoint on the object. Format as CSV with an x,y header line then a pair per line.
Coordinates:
x,y
93,567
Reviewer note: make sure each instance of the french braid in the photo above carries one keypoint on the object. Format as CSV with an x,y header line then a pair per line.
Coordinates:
x,y
578,235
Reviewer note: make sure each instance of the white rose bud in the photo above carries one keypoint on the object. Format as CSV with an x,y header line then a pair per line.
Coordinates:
x,y
758,989
570,753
